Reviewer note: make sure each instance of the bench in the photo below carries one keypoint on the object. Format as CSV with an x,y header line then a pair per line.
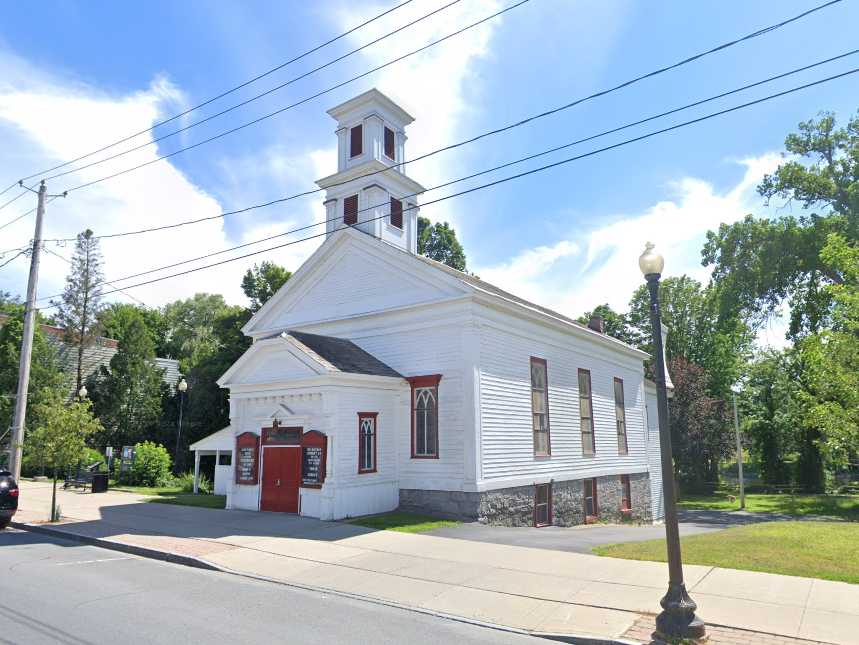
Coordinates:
x,y
82,476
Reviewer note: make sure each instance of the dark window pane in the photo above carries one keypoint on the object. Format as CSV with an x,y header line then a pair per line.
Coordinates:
x,y
350,210
396,213
356,141
389,143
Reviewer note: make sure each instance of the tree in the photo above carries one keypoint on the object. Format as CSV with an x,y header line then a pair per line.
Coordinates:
x,y
772,413
115,318
127,397
46,376
696,331
700,428
438,242
59,442
262,281
760,263
190,327
81,300
616,324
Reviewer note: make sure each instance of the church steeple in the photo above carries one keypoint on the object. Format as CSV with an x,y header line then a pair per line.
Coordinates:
x,y
370,189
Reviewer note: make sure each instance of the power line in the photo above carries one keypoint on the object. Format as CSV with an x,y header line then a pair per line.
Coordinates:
x,y
69,262
505,165
256,97
459,144
14,257
221,95
20,217
14,199
518,175
305,100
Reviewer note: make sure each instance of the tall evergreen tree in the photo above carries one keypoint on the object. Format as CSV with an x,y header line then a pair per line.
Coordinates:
x,y
81,300
127,397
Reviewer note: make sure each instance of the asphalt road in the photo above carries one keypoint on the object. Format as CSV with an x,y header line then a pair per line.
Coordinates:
x,y
56,591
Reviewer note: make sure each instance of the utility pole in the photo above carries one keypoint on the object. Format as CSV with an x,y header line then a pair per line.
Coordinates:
x,y
17,446
739,454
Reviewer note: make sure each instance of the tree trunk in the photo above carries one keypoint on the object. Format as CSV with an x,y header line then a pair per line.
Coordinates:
x,y
54,517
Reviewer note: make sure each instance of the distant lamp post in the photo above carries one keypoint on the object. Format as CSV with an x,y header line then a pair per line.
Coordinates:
x,y
182,387
734,389
678,617
82,392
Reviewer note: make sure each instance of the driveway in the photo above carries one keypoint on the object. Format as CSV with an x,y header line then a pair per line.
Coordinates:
x,y
582,539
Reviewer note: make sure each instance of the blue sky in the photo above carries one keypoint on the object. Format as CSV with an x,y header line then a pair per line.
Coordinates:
x,y
76,74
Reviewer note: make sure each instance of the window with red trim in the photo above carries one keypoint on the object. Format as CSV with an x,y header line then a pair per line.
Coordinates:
x,y
350,210
540,408
586,413
620,417
625,493
367,442
356,141
543,505
425,416
591,505
389,143
396,213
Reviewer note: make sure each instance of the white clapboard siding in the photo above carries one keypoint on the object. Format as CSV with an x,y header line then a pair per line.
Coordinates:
x,y
654,456
505,390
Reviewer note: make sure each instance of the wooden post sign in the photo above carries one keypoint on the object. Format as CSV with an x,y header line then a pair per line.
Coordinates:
x,y
247,459
314,446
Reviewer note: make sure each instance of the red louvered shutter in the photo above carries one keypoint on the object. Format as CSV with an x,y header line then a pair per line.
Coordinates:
x,y
350,210
396,213
356,141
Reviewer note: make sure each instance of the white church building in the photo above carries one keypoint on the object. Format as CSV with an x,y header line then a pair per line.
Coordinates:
x,y
380,379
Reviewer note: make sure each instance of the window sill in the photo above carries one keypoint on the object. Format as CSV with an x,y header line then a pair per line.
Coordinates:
x,y
543,455
424,456
394,229
366,472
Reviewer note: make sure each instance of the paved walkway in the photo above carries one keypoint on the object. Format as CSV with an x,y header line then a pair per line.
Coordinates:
x,y
537,590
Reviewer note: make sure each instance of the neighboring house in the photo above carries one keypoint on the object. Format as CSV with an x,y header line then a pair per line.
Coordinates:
x,y
94,356
380,379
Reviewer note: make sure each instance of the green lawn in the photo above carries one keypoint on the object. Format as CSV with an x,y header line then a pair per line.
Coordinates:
x,y
841,506
827,550
189,499
403,522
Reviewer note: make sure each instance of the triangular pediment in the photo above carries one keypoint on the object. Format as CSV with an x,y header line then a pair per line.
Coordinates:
x,y
352,274
272,361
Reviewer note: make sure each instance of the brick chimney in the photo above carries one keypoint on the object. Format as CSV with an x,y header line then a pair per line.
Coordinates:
x,y
597,323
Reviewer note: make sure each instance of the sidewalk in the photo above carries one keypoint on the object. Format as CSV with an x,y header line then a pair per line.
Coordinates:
x,y
536,590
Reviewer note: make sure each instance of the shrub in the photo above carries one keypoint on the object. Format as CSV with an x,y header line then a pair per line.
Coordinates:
x,y
186,482
151,465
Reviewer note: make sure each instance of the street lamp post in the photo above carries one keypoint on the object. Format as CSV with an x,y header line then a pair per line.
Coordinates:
x,y
182,387
678,617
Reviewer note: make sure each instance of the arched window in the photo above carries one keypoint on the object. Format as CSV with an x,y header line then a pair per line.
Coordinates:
x,y
425,416
367,442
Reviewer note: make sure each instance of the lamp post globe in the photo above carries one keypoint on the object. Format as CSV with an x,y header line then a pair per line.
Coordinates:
x,y
82,393
678,619
182,386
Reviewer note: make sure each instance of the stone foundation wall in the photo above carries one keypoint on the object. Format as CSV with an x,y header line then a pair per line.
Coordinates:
x,y
515,506
446,503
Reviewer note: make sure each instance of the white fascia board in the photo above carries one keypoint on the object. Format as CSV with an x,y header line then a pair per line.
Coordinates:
x,y
312,362
367,98
376,171
330,380
523,311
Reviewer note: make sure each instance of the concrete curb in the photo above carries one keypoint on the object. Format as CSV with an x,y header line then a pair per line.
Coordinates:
x,y
198,563
152,554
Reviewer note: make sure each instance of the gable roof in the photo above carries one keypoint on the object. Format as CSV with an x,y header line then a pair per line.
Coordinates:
x,y
343,355
429,271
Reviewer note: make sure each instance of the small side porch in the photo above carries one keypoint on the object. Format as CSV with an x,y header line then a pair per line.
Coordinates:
x,y
220,445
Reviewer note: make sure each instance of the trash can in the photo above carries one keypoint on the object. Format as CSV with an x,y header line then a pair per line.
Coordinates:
x,y
99,483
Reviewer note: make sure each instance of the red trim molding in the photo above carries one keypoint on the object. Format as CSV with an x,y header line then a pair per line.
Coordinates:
x,y
375,417
429,380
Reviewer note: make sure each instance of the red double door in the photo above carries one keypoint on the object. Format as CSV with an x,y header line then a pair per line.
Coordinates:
x,y
281,477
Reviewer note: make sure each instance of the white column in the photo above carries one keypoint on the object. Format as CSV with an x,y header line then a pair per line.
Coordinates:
x,y
196,471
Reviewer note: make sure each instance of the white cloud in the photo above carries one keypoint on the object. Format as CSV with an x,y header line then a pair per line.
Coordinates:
x,y
44,120
607,271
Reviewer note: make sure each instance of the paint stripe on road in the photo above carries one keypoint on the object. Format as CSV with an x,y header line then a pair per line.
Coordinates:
x,y
65,564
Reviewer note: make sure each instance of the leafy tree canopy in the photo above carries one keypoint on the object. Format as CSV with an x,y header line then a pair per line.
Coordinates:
x,y
190,326
262,281
760,263
616,324
438,242
117,316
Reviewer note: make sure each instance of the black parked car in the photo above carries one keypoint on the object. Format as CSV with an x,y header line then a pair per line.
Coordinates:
x,y
8,498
